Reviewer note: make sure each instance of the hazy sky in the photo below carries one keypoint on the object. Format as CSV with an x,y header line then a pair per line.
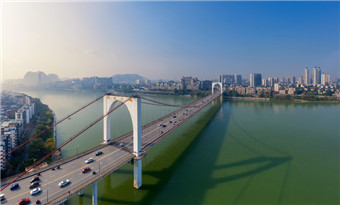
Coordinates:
x,y
169,40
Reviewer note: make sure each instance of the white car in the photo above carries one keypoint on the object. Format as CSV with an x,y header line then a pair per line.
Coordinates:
x,y
35,191
64,183
89,160
2,197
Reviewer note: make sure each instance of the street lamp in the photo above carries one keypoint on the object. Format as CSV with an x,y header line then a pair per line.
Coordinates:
x,y
47,194
77,150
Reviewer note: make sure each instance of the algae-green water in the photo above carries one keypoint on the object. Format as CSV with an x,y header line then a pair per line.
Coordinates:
x,y
230,153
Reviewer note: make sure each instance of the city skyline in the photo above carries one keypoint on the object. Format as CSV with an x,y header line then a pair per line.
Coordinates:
x,y
168,40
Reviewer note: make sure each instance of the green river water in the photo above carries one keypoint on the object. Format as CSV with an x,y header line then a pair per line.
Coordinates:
x,y
229,153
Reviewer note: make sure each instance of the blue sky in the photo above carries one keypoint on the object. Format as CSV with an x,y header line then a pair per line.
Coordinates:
x,y
168,40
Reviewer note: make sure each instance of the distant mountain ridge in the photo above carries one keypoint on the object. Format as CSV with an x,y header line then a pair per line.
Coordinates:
x,y
126,78
38,78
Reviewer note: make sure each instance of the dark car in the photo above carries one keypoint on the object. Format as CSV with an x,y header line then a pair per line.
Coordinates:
x,y
14,186
24,201
34,185
164,125
38,202
35,179
85,170
99,153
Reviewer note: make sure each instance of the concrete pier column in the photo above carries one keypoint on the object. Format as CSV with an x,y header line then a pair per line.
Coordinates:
x,y
137,173
94,194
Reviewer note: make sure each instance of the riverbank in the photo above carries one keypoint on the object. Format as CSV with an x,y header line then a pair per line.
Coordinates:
x,y
246,98
259,99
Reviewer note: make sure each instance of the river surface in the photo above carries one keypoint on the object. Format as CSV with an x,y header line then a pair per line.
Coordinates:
x,y
229,153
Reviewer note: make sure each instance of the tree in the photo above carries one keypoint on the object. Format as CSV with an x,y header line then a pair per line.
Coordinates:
x,y
41,127
37,149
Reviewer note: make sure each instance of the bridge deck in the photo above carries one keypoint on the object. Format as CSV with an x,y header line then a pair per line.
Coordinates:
x,y
116,154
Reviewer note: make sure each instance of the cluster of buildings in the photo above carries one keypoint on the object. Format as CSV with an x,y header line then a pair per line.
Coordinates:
x,y
186,83
16,110
316,77
317,82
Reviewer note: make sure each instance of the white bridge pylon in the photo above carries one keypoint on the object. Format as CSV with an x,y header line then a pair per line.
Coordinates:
x,y
213,86
134,108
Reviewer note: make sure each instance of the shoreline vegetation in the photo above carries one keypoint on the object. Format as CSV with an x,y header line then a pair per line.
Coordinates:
x,y
30,153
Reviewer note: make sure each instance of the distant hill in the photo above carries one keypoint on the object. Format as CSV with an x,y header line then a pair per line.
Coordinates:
x,y
126,78
38,78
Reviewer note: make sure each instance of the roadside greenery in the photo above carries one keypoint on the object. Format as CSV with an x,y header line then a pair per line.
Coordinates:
x,y
43,144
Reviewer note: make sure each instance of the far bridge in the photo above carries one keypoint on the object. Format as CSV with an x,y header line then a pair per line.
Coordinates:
x,y
130,147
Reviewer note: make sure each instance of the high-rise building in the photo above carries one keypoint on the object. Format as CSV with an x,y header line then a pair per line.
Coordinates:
x,y
328,78
255,79
228,79
264,82
306,78
300,81
325,79
237,79
270,82
282,79
316,75
276,79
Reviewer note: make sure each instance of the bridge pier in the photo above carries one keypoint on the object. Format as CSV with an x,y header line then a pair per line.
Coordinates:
x,y
137,173
94,193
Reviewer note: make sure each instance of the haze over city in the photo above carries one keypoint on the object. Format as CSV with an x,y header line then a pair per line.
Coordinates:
x,y
168,40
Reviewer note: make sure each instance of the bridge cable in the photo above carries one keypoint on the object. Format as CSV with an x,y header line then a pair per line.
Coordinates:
x,y
65,143
17,147
165,104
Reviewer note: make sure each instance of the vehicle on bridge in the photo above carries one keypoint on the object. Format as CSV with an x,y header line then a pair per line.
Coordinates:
x,y
89,160
34,185
35,179
87,169
35,191
2,197
64,183
98,153
14,186
24,201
